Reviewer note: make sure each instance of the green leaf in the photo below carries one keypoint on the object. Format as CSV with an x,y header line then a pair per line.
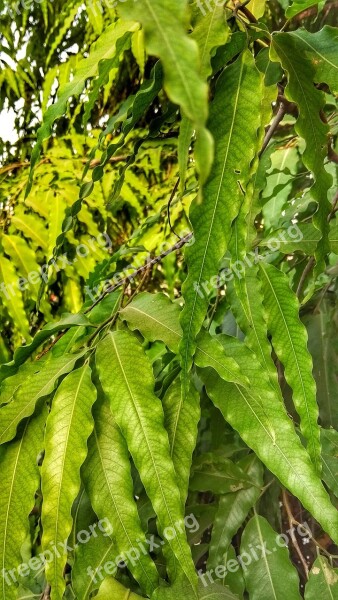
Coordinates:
x,y
299,6
69,426
113,590
233,510
107,477
181,422
214,473
44,334
329,439
323,581
165,37
234,120
320,48
289,339
271,574
158,319
20,481
310,127
40,383
104,48
12,297
139,415
90,559
322,328
266,428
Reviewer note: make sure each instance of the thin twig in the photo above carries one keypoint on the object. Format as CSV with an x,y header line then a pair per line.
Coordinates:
x,y
46,593
172,196
278,118
292,521
140,270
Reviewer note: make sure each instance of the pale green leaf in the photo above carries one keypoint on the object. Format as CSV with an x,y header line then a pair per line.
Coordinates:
x,y
69,426
40,383
20,479
139,415
107,477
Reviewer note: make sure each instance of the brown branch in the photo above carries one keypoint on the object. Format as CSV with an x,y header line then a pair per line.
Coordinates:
x,y
277,120
149,264
93,163
292,521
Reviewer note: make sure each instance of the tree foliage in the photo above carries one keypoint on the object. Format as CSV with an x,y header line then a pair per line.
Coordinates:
x,y
168,300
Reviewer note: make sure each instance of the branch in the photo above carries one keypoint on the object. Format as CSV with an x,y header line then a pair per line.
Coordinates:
x,y
269,134
149,264
93,163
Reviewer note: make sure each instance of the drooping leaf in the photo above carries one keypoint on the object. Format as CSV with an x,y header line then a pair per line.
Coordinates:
x,y
181,422
289,339
107,477
165,37
20,481
69,426
40,383
262,422
235,134
139,415
322,328
311,127
269,572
